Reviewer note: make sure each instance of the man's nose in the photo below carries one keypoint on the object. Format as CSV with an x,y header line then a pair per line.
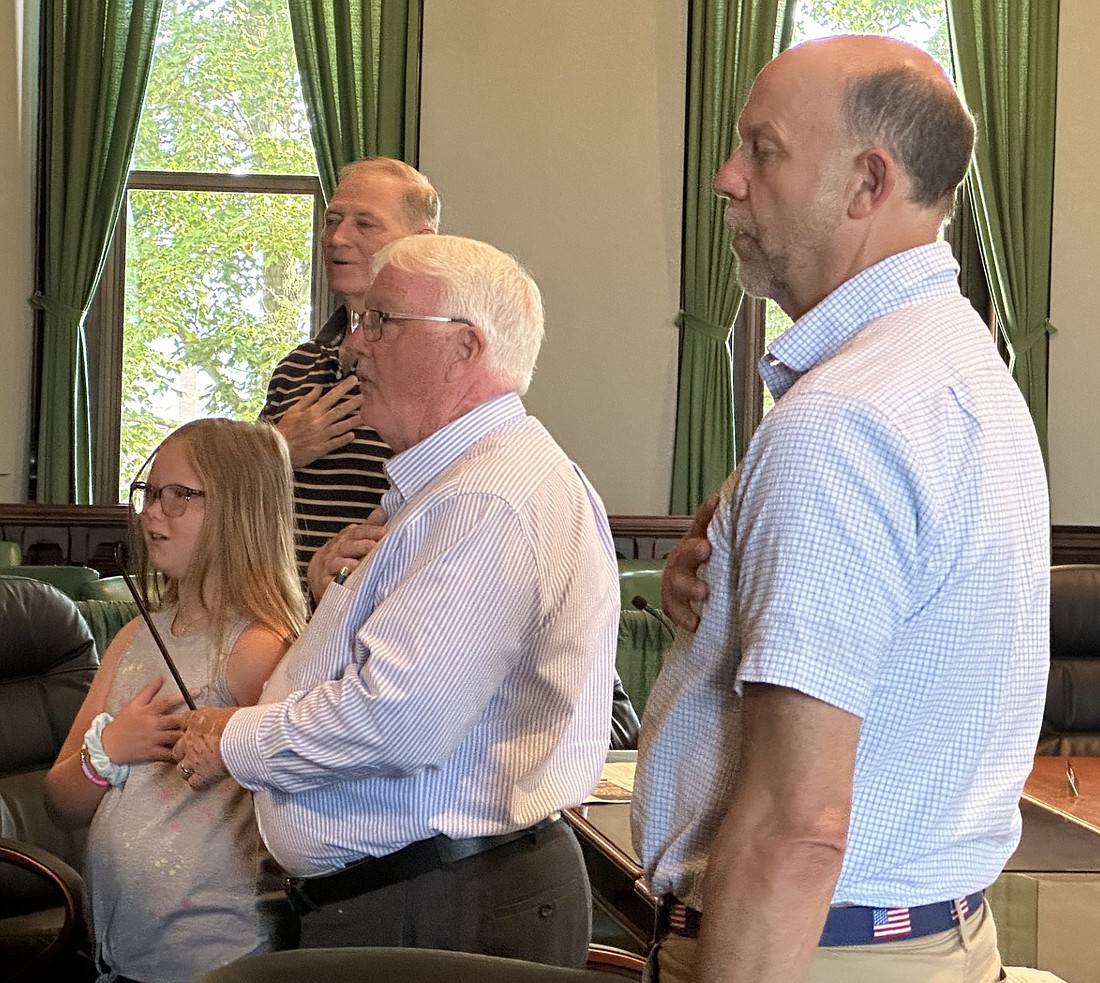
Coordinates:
x,y
731,181
338,232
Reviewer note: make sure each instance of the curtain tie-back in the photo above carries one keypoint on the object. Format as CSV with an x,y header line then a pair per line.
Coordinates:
x,y
703,326
57,308
1044,329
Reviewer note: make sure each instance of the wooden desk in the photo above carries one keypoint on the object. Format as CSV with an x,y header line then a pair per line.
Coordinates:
x,y
1048,787
603,831
1047,902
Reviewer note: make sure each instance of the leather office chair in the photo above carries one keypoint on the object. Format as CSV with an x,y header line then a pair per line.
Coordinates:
x,y
47,662
382,965
615,962
1071,719
642,643
41,915
68,579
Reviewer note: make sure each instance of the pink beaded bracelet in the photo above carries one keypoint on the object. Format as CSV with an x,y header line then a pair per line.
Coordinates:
x,y
89,772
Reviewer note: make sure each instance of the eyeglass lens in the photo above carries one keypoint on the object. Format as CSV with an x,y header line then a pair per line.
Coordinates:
x,y
173,498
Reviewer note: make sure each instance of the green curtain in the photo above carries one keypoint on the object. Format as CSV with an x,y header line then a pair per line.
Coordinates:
x,y
360,66
1005,55
96,57
729,41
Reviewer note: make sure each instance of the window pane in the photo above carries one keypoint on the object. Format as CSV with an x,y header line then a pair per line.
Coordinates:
x,y
224,93
775,323
217,291
920,22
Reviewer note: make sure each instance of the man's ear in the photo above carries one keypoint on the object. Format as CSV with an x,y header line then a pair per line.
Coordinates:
x,y
468,348
876,177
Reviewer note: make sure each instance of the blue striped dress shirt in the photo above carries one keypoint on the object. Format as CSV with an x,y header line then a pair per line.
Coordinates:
x,y
883,547
459,681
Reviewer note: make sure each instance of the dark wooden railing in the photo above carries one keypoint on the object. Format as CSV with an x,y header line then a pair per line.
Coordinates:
x,y
85,534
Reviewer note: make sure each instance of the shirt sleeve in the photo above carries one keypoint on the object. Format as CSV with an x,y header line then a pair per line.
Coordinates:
x,y
456,598
830,525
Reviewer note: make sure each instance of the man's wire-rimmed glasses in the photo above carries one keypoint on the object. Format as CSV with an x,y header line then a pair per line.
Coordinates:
x,y
372,321
173,498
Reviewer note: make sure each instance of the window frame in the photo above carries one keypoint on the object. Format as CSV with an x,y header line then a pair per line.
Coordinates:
x,y
106,320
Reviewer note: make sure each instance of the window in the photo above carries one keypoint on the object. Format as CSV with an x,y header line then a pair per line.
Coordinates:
x,y
921,22
211,277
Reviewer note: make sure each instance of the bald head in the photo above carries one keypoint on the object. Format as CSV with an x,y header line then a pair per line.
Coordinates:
x,y
851,149
893,95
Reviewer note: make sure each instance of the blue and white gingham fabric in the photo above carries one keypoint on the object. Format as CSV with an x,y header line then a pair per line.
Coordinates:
x,y
884,547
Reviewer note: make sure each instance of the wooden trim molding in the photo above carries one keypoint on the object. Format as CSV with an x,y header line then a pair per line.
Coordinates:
x,y
33,514
1074,544
81,530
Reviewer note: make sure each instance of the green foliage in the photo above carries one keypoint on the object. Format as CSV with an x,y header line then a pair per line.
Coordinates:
x,y
218,284
923,22
224,92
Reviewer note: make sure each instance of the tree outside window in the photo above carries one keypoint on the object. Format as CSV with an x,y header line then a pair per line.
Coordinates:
x,y
216,278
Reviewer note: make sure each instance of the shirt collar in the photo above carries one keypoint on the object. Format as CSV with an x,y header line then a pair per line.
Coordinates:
x,y
901,280
412,469
334,329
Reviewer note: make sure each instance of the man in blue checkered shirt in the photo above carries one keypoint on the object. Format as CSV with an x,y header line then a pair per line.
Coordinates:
x,y
831,763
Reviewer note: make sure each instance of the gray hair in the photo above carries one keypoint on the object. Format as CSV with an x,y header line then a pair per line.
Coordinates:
x,y
922,122
419,202
488,287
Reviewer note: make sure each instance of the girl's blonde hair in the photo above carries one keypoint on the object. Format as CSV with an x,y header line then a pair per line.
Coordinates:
x,y
244,562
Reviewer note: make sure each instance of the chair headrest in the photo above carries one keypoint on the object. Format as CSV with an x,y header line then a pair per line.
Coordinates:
x,y
41,630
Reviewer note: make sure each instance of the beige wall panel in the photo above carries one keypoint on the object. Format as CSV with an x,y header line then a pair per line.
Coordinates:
x,y
1075,283
555,131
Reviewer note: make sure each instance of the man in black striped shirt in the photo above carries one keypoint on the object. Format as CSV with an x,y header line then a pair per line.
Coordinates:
x,y
338,476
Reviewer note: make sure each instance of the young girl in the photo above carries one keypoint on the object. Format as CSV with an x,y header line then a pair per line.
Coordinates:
x,y
177,880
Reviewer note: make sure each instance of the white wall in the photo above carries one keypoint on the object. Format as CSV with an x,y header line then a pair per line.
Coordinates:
x,y
1075,280
555,131
18,87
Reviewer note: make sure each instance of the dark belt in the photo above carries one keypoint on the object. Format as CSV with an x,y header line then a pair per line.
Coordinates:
x,y
307,894
844,926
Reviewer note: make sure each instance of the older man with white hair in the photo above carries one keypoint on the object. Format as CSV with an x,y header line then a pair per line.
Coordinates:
x,y
413,753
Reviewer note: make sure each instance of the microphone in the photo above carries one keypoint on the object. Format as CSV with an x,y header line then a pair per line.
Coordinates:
x,y
121,552
643,605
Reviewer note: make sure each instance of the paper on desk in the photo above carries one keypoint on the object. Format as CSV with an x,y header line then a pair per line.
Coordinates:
x,y
616,783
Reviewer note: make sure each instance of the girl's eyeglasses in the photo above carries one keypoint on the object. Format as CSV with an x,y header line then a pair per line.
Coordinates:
x,y
173,498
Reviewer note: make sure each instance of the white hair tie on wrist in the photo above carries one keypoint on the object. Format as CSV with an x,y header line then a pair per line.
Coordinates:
x,y
93,744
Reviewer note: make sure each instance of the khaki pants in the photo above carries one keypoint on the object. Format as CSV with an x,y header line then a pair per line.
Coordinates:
x,y
967,954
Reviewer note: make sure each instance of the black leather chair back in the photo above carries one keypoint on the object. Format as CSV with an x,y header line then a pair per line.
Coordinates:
x,y
42,929
1071,721
47,662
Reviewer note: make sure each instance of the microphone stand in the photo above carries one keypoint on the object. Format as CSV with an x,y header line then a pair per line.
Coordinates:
x,y
643,605
121,561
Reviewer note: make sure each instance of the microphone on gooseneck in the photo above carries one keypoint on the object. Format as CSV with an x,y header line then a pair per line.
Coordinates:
x,y
121,556
643,605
